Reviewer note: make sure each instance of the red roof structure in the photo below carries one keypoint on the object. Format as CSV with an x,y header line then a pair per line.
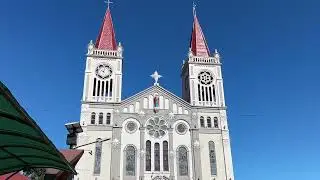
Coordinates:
x,y
107,39
198,42
72,156
17,176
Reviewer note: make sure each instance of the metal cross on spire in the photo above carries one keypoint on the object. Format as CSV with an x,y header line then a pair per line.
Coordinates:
x,y
108,2
156,76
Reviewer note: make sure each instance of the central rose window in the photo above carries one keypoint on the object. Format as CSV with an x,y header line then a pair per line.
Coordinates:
x,y
157,127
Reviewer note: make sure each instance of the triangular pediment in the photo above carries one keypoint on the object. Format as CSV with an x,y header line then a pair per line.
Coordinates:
x,y
144,100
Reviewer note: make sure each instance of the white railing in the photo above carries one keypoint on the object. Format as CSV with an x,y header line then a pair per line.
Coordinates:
x,y
204,60
104,53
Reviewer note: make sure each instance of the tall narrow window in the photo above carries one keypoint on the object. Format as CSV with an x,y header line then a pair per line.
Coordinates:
x,y
199,92
93,118
165,156
209,125
148,155
102,89
130,154
100,118
157,157
207,94
212,156
98,89
183,161
214,93
201,121
97,157
94,86
202,89
111,83
215,122
107,88
210,94
108,118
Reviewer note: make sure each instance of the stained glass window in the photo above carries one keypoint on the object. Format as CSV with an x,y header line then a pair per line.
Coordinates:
x,y
209,122
183,161
157,157
201,121
165,156
100,118
97,157
148,156
130,155
212,154
93,118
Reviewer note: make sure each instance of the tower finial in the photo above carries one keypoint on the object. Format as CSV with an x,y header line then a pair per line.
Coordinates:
x,y
194,9
108,2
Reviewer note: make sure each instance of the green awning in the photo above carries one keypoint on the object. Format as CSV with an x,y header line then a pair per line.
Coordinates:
x,y
23,145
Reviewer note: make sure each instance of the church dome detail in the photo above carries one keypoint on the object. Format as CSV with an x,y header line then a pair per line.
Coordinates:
x,y
157,127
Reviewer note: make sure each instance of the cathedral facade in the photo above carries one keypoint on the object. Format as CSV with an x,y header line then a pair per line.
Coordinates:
x,y
154,134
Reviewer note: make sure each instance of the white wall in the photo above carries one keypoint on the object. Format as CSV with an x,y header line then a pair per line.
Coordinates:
x,y
205,160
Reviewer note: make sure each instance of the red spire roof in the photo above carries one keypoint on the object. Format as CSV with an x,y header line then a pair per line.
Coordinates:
x,y
107,38
198,42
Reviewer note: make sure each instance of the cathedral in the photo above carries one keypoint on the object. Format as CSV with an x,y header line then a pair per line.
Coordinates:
x,y
153,135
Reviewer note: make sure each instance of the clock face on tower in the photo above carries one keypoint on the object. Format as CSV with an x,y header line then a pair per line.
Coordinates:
x,y
103,71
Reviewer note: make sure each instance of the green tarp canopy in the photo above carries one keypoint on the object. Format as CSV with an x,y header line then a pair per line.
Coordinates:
x,y
23,145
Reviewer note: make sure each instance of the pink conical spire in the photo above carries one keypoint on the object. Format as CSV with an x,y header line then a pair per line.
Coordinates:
x,y
107,38
198,42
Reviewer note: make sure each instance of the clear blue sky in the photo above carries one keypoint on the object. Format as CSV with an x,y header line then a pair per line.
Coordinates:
x,y
271,63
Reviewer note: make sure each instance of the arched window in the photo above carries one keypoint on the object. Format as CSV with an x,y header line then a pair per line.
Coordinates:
x,y
93,118
165,156
183,161
215,122
212,156
108,118
130,154
97,157
100,118
157,157
201,121
148,155
209,125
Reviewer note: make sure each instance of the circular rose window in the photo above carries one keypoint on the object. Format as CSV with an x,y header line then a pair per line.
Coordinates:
x,y
157,127
205,77
181,128
131,127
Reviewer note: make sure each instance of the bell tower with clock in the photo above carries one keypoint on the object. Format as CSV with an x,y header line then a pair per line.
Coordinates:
x,y
103,74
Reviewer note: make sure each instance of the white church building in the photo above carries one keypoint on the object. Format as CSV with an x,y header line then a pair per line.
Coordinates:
x,y
154,134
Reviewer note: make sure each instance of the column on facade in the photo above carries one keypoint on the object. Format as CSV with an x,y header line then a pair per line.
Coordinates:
x,y
116,154
227,155
196,156
172,153
142,153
